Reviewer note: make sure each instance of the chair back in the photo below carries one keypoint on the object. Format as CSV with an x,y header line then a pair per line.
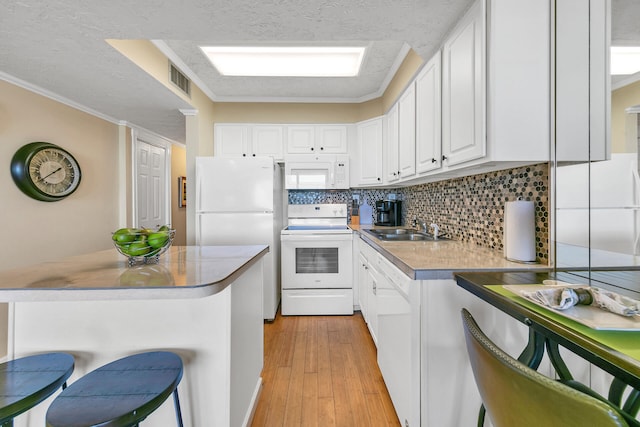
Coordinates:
x,y
516,395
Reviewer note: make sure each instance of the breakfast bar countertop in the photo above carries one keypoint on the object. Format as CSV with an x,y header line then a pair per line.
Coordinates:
x,y
182,272
435,260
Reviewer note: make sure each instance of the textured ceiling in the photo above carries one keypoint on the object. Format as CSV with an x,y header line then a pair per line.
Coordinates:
x,y
60,47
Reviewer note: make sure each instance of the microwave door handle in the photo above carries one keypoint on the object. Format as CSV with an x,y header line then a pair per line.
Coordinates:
x,y
332,176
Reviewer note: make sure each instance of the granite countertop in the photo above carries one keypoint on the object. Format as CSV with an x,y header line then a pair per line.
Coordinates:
x,y
182,272
430,260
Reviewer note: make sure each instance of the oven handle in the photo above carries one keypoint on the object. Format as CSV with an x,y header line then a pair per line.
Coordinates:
x,y
316,237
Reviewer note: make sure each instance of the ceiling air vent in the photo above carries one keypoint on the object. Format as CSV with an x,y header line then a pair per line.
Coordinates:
x,y
179,79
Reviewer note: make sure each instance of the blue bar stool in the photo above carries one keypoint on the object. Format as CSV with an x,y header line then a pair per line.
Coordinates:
x,y
119,394
27,381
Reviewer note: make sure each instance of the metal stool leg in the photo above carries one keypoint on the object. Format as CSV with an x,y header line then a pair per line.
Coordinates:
x,y
176,402
556,360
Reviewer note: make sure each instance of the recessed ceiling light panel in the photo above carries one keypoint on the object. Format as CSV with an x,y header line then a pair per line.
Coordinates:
x,y
625,60
285,61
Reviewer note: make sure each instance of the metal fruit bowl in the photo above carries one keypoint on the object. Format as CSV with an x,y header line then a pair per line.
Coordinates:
x,y
143,246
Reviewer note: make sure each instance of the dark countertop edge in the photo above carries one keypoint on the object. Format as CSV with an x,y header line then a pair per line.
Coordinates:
x,y
440,274
624,367
128,293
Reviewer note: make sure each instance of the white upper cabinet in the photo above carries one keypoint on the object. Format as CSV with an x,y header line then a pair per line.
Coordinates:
x,y
391,146
463,89
315,139
267,140
248,140
231,140
407,133
369,154
428,117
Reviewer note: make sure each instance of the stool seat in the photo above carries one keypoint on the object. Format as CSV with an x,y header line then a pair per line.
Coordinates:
x,y
121,393
27,381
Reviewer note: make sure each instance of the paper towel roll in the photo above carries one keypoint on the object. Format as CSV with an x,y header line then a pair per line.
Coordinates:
x,y
520,231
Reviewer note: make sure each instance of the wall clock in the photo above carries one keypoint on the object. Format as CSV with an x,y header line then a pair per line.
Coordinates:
x,y
45,171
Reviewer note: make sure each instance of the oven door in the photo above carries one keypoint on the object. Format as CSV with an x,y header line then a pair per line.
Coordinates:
x,y
316,261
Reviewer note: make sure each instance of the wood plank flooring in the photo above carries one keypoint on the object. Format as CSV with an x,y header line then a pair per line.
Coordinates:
x,y
321,371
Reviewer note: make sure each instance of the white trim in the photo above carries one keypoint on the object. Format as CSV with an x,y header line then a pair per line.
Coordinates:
x,y
173,57
149,133
188,111
625,82
54,96
179,63
61,99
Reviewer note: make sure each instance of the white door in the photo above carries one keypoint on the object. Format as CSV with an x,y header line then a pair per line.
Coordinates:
x,y
151,186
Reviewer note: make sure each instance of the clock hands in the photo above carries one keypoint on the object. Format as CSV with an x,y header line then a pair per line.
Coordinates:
x,y
49,174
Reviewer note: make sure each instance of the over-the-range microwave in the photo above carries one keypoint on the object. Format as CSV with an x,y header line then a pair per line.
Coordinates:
x,y
316,172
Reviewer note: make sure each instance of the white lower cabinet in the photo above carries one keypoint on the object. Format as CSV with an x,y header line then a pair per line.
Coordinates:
x,y
398,306
368,278
422,354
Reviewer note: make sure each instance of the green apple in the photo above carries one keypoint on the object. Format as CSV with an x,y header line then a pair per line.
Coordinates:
x,y
125,235
138,248
158,239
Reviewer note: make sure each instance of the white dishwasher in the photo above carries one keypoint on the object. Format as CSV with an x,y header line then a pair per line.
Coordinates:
x,y
398,304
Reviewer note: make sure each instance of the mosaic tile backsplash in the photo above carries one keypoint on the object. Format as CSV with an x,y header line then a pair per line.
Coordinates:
x,y
469,208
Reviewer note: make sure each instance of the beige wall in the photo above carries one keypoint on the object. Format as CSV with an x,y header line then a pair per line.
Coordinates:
x,y
622,99
178,214
41,231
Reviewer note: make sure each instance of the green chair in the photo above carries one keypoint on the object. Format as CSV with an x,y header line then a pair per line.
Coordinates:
x,y
516,395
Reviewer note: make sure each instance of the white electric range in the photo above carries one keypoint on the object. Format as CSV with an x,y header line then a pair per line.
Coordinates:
x,y
316,251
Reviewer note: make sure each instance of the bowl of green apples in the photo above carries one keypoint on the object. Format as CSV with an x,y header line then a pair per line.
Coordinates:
x,y
143,245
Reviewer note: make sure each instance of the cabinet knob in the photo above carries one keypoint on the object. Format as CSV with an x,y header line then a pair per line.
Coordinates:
x,y
321,148
394,174
398,173
378,179
434,161
311,148
444,158
254,154
244,155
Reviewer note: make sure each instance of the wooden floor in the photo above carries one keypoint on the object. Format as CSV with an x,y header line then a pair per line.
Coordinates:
x,y
321,371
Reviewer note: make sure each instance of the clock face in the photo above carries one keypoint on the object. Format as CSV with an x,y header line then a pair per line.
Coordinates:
x,y
45,171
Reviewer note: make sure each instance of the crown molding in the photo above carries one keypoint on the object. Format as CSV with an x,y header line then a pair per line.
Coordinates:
x,y
173,57
56,97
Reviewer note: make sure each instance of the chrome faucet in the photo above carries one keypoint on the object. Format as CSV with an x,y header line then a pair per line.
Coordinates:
x,y
422,223
436,230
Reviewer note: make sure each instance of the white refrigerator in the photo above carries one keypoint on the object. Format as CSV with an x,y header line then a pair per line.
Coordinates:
x,y
598,205
239,201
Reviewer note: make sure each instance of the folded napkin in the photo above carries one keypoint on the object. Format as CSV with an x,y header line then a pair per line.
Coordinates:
x,y
562,298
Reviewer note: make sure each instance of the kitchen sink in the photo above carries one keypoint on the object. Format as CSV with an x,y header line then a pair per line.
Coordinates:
x,y
402,234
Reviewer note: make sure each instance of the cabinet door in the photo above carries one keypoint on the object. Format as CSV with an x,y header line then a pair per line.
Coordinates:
x,y
428,125
301,139
391,146
362,284
331,139
231,140
267,140
463,111
407,133
372,306
370,152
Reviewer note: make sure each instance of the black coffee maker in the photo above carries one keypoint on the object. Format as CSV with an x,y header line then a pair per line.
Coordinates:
x,y
388,212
